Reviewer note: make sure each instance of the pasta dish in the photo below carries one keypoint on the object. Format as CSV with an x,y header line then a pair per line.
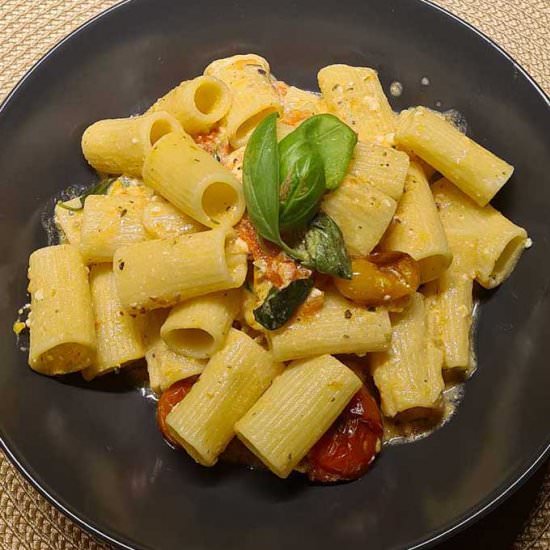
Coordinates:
x,y
295,270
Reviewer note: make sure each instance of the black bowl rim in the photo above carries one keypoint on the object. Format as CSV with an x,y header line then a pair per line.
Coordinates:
x,y
474,514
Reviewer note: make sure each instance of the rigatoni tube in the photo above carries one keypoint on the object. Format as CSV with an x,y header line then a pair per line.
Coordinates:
x,y
340,326
408,375
164,366
491,243
474,169
296,411
197,104
449,307
194,182
162,220
355,95
159,273
119,339
382,167
198,327
254,96
416,228
234,379
62,334
109,222
362,212
120,145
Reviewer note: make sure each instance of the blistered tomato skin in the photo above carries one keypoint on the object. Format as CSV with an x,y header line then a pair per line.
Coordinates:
x,y
168,400
380,278
347,449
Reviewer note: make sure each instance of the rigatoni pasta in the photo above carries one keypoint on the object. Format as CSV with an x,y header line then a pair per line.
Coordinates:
x,y
449,306
339,326
254,96
281,262
382,167
162,220
197,104
164,366
159,273
193,181
62,322
492,242
234,379
416,228
355,95
198,327
362,212
119,146
475,170
295,412
118,334
408,375
109,222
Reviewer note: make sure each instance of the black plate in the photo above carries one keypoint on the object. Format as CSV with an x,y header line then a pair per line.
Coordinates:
x,y
95,451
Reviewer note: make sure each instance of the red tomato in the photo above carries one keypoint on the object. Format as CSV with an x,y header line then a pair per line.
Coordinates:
x,y
349,446
168,400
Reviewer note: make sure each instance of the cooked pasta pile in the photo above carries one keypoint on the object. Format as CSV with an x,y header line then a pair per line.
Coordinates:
x,y
293,267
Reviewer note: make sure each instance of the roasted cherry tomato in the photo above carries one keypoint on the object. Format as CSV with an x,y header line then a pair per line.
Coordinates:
x,y
380,278
168,400
349,446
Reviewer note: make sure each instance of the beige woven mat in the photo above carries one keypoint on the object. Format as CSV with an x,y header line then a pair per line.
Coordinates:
x,y
28,28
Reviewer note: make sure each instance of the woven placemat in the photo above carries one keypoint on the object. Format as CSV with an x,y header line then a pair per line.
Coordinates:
x,y
28,28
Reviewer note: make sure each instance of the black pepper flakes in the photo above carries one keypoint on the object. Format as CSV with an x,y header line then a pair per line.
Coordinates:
x,y
121,265
348,314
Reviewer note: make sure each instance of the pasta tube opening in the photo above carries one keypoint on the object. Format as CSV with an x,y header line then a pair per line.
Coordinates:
x,y
120,145
160,127
193,181
198,327
506,262
64,358
220,201
194,341
210,99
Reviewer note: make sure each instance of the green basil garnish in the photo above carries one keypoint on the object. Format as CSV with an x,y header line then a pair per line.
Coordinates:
x,y
303,185
280,305
324,245
310,160
333,140
99,188
261,179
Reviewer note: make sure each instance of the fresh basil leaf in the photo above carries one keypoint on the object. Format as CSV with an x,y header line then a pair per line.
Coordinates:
x,y
303,185
333,140
280,305
325,248
99,188
261,179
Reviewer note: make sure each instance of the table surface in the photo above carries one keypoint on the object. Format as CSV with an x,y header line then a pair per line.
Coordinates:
x,y
28,28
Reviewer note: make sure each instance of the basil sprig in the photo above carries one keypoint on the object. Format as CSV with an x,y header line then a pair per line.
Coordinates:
x,y
99,188
283,186
310,160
